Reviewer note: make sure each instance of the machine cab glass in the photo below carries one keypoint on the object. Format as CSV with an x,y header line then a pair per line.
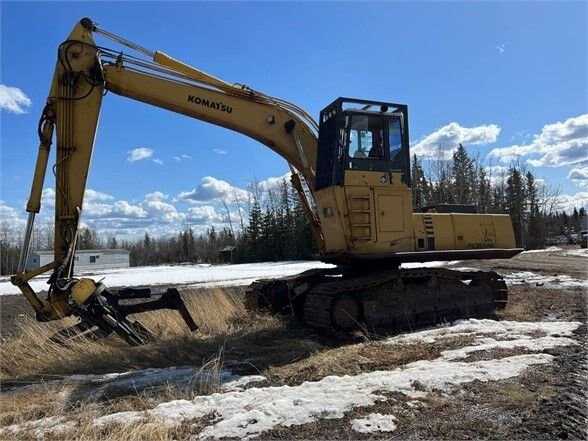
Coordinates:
x,y
374,141
362,135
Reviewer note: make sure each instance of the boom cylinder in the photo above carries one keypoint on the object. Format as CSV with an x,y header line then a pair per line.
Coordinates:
x,y
45,135
34,202
24,252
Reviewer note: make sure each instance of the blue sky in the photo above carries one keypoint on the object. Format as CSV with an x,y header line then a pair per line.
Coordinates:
x,y
507,79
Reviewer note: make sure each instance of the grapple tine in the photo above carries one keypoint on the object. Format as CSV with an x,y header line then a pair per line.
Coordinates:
x,y
182,309
170,299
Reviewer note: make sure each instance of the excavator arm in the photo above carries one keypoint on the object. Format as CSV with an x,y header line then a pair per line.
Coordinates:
x,y
83,74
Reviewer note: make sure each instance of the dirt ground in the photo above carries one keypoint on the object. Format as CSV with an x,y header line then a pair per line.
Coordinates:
x,y
547,402
546,263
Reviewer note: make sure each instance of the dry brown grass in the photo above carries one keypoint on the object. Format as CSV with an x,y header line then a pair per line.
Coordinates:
x,y
532,303
355,359
219,313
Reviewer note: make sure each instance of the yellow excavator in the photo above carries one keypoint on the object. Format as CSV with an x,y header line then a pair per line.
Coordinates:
x,y
351,171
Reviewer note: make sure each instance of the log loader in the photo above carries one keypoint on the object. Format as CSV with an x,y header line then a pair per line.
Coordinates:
x,y
351,170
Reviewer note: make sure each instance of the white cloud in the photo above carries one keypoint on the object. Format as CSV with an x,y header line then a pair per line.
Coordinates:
x,y
211,189
501,48
155,196
274,182
93,195
182,157
139,153
444,141
47,198
220,151
117,210
579,176
156,206
203,215
496,170
558,144
13,100
8,213
125,209
158,161
567,202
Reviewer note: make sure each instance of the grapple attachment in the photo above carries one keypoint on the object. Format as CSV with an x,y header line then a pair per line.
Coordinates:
x,y
102,312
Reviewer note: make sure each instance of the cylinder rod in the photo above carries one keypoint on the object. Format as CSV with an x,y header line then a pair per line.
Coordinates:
x,y
24,252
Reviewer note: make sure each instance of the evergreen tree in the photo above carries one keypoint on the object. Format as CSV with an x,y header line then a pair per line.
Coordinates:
x,y
253,232
484,197
420,188
516,202
463,175
535,235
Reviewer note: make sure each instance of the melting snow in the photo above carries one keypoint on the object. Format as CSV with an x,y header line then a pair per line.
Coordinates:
x,y
582,252
95,386
374,422
502,329
248,413
41,427
435,264
192,275
542,250
556,281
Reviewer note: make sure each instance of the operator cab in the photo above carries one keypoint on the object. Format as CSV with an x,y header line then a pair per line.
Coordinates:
x,y
362,135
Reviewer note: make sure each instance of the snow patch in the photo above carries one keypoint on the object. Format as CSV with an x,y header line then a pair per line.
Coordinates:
x,y
50,425
582,252
489,344
192,275
374,422
435,264
95,386
542,250
248,413
509,330
556,281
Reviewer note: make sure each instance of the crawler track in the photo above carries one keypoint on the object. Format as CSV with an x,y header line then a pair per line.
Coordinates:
x,y
396,299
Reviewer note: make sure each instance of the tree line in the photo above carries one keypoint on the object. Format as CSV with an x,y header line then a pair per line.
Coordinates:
x,y
271,224
275,229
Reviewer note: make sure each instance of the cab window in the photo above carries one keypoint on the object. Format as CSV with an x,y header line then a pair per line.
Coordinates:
x,y
366,137
394,137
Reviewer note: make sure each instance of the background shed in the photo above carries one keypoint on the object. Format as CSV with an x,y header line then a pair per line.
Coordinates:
x,y
85,260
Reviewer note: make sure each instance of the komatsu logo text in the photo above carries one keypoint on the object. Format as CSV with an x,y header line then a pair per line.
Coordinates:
x,y
210,104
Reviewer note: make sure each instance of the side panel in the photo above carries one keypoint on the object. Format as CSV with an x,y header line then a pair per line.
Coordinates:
x,y
505,237
443,232
473,231
332,213
390,213
420,234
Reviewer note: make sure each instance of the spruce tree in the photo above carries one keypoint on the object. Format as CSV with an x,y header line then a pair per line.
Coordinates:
x,y
463,175
516,202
